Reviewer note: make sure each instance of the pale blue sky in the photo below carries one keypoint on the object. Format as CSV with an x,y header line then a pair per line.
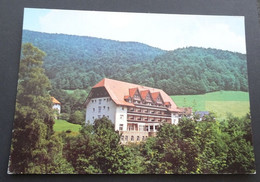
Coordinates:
x,y
165,31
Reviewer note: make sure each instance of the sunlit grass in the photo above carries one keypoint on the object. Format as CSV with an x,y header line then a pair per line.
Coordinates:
x,y
62,125
221,102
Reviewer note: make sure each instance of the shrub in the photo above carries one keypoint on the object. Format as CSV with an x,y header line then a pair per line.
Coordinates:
x,y
64,116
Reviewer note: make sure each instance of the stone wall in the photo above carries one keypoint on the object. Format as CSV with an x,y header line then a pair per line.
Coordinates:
x,y
134,136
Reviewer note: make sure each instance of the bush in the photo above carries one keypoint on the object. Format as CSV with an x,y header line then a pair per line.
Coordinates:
x,y
64,116
77,117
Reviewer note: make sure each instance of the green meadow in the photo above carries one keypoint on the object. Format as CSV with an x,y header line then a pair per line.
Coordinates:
x,y
62,125
221,102
73,91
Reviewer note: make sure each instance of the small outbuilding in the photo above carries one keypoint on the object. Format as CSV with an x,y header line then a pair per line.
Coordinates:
x,y
56,104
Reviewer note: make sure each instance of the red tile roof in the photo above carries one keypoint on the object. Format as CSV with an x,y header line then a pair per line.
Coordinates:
x,y
131,91
167,103
144,93
54,101
118,90
155,95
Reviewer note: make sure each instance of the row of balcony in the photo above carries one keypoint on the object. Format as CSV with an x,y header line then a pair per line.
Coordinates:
x,y
144,119
148,104
147,111
151,114
131,127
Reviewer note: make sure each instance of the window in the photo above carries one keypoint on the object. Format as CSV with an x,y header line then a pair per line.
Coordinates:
x,y
126,138
104,107
121,116
93,117
132,138
104,99
107,99
138,138
143,138
146,128
108,108
141,127
123,108
99,109
122,137
99,101
121,127
99,116
93,109
107,116
92,101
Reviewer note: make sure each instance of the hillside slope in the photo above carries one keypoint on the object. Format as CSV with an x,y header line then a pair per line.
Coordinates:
x,y
79,62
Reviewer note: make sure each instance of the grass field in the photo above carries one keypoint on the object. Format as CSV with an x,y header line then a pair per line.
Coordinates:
x,y
221,102
72,91
62,125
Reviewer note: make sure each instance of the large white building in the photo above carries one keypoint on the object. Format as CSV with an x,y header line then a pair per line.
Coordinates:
x,y
137,111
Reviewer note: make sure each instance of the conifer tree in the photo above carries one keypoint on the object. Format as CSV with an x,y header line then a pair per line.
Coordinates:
x,y
33,142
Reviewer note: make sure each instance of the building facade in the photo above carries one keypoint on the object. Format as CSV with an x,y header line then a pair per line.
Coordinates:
x,y
137,111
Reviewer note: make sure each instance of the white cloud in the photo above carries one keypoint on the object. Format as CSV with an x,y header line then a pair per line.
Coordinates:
x,y
159,30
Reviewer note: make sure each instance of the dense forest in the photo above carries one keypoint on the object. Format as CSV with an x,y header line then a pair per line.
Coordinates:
x,y
79,62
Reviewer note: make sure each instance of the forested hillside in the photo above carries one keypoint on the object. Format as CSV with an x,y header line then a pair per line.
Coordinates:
x,y
77,62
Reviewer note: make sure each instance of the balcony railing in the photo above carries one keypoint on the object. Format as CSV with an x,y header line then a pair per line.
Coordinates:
x,y
149,113
147,121
147,105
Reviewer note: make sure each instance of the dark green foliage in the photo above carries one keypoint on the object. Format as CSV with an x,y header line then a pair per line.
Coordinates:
x,y
70,102
34,147
98,150
171,152
64,116
75,62
198,70
206,147
241,156
77,117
